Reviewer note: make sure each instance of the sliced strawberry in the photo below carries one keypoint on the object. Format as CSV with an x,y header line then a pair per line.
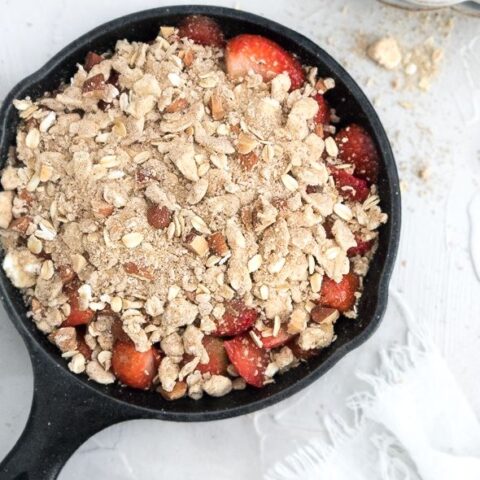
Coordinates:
x,y
363,246
274,342
238,318
218,360
263,56
249,360
356,147
350,187
202,30
135,369
77,316
339,295
323,115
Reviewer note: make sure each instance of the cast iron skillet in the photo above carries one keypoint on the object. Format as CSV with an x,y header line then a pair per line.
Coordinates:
x,y
67,408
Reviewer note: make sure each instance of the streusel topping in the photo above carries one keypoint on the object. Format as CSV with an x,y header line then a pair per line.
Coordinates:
x,y
168,190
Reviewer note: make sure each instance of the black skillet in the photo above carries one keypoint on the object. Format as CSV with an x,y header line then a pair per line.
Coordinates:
x,y
67,409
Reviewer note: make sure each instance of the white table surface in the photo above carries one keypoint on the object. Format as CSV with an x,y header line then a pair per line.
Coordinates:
x,y
435,276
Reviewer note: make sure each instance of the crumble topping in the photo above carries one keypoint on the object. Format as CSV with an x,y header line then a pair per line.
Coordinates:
x,y
168,190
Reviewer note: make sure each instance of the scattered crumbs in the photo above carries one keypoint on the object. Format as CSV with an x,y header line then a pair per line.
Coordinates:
x,y
386,53
423,173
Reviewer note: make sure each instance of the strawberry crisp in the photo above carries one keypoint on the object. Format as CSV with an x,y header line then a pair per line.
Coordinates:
x,y
185,216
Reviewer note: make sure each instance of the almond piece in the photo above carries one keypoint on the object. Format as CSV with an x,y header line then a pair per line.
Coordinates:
x,y
159,217
188,57
218,244
137,271
177,105
197,244
321,314
95,83
101,209
216,107
91,60
20,224
179,391
248,161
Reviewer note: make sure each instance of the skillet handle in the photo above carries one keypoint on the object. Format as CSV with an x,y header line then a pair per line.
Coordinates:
x,y
64,415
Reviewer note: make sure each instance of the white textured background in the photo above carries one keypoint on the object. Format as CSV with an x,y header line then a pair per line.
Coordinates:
x,y
435,273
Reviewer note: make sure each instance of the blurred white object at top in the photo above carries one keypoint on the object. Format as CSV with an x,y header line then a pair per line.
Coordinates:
x,y
471,7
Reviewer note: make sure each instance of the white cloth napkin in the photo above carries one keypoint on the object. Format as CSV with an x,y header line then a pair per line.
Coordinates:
x,y
410,422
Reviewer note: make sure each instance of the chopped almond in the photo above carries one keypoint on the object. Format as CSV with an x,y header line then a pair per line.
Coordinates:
x,y
95,83
321,314
218,244
216,107
179,391
177,105
197,244
20,224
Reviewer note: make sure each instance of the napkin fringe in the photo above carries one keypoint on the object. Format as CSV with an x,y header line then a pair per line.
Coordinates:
x,y
312,459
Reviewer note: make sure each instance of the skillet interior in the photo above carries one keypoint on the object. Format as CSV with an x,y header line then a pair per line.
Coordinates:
x,y
351,105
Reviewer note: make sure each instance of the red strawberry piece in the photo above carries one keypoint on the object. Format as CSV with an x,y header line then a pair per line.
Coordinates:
x,y
339,295
363,246
249,360
263,56
91,60
350,187
274,342
135,369
218,360
238,318
202,30
356,147
323,115
77,316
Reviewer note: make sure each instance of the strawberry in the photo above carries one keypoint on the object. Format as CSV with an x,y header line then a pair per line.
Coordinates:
x,y
273,342
323,115
236,319
135,369
363,246
339,295
351,187
202,30
249,360
356,147
218,360
253,52
77,317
